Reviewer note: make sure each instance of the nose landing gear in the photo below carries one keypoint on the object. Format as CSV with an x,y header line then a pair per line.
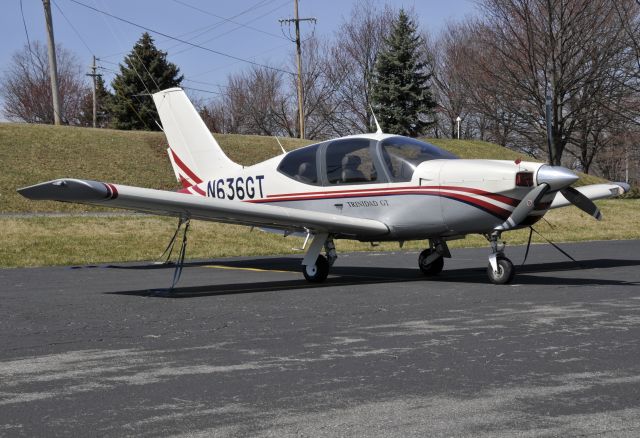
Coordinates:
x,y
500,269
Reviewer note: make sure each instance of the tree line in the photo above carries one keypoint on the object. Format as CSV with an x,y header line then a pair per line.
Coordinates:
x,y
495,72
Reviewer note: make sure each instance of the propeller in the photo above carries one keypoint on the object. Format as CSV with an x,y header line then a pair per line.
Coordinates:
x,y
582,202
550,179
525,207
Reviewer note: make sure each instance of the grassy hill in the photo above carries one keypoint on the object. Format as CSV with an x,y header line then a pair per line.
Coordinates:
x,y
34,153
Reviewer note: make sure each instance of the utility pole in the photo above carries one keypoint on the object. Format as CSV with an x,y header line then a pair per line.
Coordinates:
x,y
94,76
53,69
296,20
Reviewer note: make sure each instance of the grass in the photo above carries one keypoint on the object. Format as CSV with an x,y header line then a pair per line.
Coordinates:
x,y
42,241
35,153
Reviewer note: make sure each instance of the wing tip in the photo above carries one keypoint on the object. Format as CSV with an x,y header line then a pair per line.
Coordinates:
x,y
623,187
69,190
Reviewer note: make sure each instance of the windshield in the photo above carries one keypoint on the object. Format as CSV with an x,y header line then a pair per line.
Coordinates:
x,y
402,155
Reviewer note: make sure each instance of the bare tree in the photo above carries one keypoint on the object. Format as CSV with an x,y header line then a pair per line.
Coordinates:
x,y
253,102
320,98
26,89
563,47
448,59
350,69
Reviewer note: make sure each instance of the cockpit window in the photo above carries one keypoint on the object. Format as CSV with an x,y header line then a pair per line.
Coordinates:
x,y
349,161
301,165
402,155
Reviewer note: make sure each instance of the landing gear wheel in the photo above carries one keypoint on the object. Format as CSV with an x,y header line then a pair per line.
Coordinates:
x,y
317,273
505,272
430,269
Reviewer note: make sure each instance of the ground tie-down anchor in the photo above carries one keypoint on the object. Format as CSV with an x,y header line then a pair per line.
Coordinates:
x,y
179,264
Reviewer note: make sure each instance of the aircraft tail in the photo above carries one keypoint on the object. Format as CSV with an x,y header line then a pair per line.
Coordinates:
x,y
195,154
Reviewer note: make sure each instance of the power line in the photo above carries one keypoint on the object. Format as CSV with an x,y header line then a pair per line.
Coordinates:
x,y
220,35
26,33
205,83
72,27
219,93
228,20
178,39
201,30
184,79
235,63
203,91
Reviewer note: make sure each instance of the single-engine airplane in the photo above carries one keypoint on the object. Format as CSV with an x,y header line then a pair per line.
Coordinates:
x,y
370,187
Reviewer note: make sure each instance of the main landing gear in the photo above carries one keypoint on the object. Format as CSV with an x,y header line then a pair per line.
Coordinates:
x,y
315,266
500,269
431,260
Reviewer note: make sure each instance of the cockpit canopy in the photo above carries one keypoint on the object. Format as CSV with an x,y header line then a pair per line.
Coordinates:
x,y
359,160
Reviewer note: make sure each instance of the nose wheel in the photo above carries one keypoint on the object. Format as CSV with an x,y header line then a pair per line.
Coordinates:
x,y
504,273
500,269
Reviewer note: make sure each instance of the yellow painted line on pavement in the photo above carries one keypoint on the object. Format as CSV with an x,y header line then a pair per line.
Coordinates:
x,y
237,268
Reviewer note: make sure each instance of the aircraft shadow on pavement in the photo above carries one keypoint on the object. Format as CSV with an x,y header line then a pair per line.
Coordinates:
x,y
531,274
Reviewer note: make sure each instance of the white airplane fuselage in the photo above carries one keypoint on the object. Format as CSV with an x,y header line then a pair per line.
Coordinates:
x,y
444,197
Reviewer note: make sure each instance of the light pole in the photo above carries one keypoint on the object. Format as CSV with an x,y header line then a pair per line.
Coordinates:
x,y
458,119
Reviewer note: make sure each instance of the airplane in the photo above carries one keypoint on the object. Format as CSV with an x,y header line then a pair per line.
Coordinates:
x,y
369,187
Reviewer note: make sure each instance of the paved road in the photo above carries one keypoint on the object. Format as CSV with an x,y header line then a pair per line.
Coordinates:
x,y
376,351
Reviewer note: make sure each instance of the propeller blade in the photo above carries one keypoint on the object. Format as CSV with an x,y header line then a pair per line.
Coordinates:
x,y
523,209
582,202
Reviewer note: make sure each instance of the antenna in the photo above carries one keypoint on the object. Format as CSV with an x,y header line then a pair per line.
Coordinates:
x,y
379,131
281,147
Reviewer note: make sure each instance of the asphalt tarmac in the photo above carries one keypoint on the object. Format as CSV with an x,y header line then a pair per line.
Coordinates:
x,y
245,347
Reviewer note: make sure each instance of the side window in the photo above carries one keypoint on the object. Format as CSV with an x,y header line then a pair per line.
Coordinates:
x,y
301,165
349,161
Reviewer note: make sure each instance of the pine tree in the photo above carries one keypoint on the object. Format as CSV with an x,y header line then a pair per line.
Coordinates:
x,y
145,70
401,94
103,105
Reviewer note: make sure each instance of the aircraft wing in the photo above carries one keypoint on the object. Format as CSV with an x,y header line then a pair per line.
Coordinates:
x,y
167,203
593,191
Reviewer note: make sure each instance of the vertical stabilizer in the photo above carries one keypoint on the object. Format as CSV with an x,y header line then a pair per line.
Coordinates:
x,y
195,154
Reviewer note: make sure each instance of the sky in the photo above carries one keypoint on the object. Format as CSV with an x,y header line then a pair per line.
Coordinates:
x,y
254,33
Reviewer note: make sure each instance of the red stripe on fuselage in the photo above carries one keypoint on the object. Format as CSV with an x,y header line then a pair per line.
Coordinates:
x,y
478,203
384,190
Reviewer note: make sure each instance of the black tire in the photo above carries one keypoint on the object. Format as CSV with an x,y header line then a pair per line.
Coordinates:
x,y
318,272
505,274
433,268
